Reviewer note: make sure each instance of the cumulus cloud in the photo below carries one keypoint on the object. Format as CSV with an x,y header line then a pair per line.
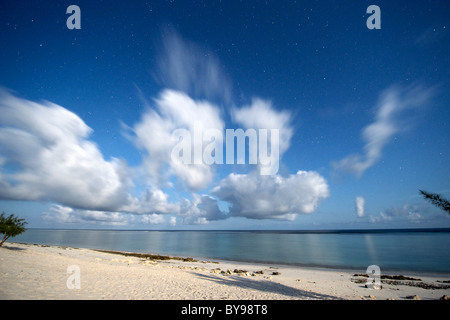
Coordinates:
x,y
175,110
200,210
257,196
359,204
151,201
392,115
262,115
46,155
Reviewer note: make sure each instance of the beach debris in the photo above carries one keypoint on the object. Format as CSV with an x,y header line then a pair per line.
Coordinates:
x,y
388,277
372,297
373,286
276,273
444,297
414,297
216,270
209,261
401,280
198,268
226,273
241,272
259,272
189,260
399,277
268,277
234,272
147,255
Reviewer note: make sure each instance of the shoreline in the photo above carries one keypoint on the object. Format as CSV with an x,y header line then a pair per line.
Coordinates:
x,y
272,263
33,271
285,265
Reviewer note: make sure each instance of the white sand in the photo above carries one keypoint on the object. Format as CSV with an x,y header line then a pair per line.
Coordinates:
x,y
38,272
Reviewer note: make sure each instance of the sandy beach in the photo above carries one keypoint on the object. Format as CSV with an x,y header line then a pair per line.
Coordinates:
x,y
53,273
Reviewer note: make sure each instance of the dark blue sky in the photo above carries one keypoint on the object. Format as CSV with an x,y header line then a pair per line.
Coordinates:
x,y
368,112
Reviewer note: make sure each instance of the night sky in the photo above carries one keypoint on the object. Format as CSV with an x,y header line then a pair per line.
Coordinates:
x,y
87,115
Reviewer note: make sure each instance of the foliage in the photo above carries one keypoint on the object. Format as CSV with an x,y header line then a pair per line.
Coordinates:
x,y
437,200
10,226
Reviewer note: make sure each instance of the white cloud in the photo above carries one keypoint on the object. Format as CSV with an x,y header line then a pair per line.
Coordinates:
x,y
200,210
408,212
63,214
151,201
257,196
262,115
381,218
359,204
391,117
47,156
175,110
152,218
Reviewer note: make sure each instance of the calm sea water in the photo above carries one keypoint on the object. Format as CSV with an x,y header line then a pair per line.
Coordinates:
x,y
396,250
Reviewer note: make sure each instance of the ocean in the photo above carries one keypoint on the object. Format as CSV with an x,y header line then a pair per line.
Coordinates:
x,y
424,250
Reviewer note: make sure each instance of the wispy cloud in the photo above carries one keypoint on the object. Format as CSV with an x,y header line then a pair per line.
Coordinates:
x,y
432,35
392,117
412,213
261,114
408,212
190,68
